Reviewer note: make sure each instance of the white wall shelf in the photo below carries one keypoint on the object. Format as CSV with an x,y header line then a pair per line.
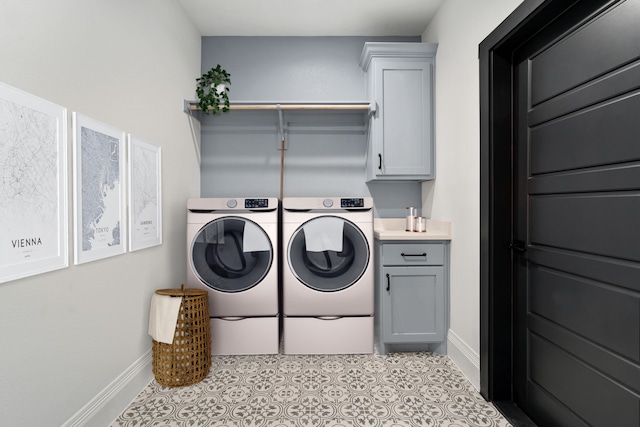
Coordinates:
x,y
192,106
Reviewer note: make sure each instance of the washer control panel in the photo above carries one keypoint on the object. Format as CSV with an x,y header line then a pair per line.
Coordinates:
x,y
256,203
353,202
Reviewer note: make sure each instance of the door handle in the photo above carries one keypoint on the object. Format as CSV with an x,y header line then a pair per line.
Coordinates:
x,y
379,161
518,246
388,282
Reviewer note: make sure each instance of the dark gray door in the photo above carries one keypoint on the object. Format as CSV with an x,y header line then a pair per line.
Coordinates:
x,y
577,220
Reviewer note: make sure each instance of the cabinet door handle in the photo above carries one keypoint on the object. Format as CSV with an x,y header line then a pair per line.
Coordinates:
x,y
422,254
388,282
379,161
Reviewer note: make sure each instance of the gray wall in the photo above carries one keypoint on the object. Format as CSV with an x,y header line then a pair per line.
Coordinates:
x,y
326,151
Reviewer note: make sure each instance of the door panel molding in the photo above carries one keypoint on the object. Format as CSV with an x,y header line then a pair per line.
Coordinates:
x,y
496,54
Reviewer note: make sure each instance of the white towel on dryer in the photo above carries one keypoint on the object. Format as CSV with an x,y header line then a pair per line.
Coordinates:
x,y
324,234
254,239
163,317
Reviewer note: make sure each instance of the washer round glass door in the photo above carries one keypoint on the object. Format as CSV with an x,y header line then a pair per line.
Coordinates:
x,y
328,253
231,254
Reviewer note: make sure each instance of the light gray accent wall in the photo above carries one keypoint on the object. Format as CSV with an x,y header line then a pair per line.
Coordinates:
x,y
291,69
325,154
326,151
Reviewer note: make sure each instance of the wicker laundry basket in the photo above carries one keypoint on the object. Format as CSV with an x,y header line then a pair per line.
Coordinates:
x,y
188,359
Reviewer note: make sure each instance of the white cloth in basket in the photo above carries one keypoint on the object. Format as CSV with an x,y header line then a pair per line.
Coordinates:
x,y
163,317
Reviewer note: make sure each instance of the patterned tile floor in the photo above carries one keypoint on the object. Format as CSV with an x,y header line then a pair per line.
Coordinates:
x,y
396,390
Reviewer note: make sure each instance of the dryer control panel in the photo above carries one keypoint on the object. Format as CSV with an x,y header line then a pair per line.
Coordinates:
x,y
256,203
353,202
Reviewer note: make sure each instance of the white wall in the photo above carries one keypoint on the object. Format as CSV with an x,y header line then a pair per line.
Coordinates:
x,y
458,27
65,336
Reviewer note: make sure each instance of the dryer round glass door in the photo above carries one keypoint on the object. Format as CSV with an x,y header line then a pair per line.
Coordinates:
x,y
231,254
328,253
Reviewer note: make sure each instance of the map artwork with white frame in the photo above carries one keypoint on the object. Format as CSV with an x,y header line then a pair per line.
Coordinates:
x,y
32,185
145,195
100,220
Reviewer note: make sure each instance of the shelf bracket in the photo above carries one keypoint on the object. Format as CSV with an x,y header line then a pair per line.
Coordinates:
x,y
195,131
282,141
373,108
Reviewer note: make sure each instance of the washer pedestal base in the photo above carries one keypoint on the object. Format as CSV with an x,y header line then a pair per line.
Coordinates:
x,y
340,335
249,335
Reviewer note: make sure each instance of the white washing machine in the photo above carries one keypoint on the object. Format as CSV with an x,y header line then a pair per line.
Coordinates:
x,y
328,275
232,252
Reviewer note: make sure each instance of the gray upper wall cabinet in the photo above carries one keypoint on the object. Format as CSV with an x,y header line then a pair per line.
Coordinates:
x,y
400,82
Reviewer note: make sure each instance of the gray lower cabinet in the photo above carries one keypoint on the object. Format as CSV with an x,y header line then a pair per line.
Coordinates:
x,y
412,296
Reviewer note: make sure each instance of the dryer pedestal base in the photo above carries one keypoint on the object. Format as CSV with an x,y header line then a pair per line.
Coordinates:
x,y
342,335
250,335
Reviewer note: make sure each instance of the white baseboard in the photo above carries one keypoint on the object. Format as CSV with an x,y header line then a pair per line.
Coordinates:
x,y
104,408
467,360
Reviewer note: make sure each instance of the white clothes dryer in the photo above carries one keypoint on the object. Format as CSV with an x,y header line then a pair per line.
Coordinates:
x,y
232,250
328,280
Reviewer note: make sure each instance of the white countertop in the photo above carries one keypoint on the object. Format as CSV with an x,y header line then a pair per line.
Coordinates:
x,y
394,229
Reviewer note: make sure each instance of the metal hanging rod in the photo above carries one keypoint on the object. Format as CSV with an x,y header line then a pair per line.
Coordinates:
x,y
251,105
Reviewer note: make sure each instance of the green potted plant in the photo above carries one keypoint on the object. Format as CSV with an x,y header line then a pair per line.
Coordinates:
x,y
212,91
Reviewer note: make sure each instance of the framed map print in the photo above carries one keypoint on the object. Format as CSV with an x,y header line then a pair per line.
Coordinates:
x,y
33,185
145,194
99,191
